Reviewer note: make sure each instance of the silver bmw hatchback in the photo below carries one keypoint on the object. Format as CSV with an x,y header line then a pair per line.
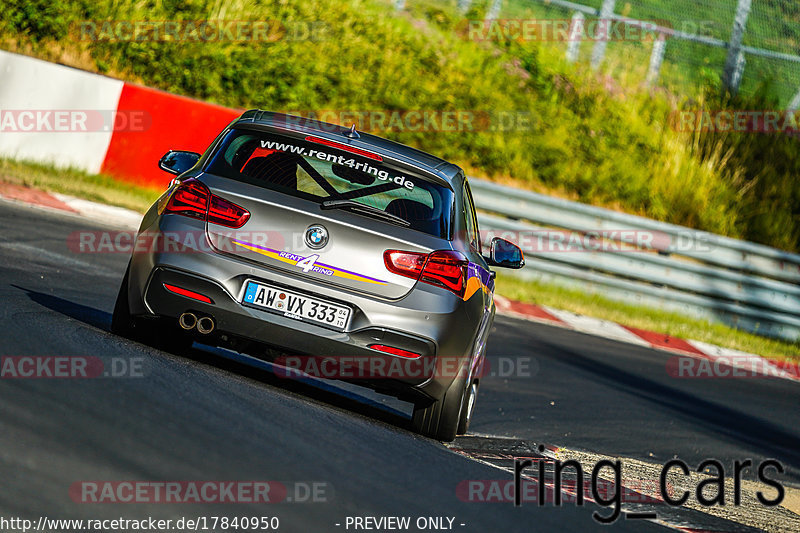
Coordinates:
x,y
315,246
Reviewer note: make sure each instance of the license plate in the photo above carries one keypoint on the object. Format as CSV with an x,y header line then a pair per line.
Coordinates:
x,y
297,306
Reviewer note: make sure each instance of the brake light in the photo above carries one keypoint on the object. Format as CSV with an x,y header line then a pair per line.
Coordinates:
x,y
444,268
345,147
193,199
227,213
189,199
408,264
189,294
394,351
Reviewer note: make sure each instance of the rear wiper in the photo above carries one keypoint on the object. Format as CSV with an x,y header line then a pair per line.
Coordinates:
x,y
365,209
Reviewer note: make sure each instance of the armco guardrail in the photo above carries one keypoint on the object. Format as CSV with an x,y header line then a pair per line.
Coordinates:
x,y
641,261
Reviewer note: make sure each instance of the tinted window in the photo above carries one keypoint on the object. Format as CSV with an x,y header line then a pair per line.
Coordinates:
x,y
473,235
318,173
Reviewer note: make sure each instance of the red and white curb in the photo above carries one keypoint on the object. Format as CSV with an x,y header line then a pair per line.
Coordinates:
x,y
67,117
719,361
122,217
107,214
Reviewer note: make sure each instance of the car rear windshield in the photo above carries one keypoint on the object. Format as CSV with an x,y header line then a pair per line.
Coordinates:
x,y
321,173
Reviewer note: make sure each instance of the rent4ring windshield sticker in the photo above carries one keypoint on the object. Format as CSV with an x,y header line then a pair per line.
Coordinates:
x,y
382,175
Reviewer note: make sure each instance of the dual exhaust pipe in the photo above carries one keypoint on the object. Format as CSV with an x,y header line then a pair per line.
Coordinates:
x,y
204,324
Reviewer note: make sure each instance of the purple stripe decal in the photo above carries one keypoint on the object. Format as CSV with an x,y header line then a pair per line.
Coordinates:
x,y
353,273
325,265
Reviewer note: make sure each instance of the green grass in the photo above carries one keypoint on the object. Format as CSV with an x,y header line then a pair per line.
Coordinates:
x,y
98,188
675,324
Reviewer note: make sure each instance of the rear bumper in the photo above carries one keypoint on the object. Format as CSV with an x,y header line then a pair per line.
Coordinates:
x,y
426,321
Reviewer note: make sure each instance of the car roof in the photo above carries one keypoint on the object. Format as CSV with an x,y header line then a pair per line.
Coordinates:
x,y
448,172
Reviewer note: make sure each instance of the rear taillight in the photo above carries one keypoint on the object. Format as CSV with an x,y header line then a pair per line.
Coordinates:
x,y
190,198
445,268
408,264
395,351
193,199
227,213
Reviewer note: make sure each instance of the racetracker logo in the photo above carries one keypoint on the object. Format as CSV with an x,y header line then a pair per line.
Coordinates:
x,y
503,490
204,492
200,31
563,30
380,366
730,367
742,121
70,367
607,240
73,120
125,242
412,120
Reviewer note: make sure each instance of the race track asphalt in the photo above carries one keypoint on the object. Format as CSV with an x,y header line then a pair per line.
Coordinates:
x,y
205,415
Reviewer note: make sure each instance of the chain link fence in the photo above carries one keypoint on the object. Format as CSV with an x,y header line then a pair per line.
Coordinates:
x,y
680,44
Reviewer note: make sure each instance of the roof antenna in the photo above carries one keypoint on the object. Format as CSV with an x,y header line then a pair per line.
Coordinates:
x,y
352,133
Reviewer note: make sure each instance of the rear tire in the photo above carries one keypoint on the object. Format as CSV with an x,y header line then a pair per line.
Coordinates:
x,y
470,397
157,333
440,419
122,323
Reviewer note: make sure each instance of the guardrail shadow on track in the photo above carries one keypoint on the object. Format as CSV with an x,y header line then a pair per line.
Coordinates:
x,y
83,313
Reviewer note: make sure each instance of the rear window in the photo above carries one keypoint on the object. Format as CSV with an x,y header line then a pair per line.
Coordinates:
x,y
319,173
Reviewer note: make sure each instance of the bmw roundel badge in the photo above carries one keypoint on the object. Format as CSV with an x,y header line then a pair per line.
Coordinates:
x,y
316,237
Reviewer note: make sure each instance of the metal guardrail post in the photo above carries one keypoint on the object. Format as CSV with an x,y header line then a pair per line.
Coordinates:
x,y
738,72
734,64
603,26
794,105
656,59
494,11
736,67
575,36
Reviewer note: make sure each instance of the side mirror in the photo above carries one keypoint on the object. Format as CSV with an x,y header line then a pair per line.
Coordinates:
x,y
505,254
178,161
